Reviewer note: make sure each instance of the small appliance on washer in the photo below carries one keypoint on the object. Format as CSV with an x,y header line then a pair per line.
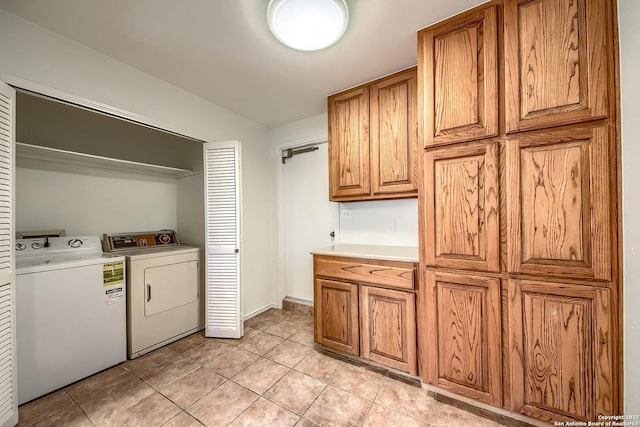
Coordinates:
x,y
70,312
163,288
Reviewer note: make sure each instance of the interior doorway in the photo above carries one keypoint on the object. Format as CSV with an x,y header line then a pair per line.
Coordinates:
x,y
307,220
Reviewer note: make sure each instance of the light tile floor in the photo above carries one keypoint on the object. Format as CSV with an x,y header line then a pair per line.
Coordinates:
x,y
273,376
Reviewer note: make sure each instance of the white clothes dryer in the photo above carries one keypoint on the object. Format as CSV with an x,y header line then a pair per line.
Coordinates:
x,y
163,287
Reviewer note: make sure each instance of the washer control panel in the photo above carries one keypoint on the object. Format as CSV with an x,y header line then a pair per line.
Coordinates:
x,y
121,241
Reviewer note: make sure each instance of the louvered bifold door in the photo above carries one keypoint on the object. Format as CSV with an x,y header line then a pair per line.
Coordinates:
x,y
223,305
8,381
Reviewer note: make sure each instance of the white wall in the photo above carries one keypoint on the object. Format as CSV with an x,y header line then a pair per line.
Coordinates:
x,y
89,201
629,14
387,222
30,53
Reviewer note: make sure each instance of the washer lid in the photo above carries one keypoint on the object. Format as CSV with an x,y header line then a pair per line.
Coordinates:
x,y
33,264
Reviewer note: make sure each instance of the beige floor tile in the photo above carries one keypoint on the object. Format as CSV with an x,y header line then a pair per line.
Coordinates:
x,y
262,321
302,319
153,410
188,342
182,420
446,415
305,423
358,380
231,362
261,375
319,366
283,329
170,372
411,400
192,387
382,416
44,407
147,364
265,413
304,336
296,391
97,383
102,404
207,351
261,343
338,407
222,405
288,353
70,417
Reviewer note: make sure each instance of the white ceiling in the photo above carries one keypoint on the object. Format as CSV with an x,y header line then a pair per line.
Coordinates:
x,y
222,50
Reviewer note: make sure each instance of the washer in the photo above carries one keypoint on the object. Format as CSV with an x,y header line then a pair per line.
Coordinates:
x,y
70,312
163,287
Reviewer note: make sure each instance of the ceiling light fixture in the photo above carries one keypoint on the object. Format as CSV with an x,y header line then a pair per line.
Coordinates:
x,y
308,25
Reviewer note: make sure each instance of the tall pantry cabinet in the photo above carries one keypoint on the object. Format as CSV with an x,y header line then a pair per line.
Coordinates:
x,y
519,207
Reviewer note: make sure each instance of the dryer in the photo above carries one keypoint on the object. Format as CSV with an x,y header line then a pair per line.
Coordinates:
x,y
164,295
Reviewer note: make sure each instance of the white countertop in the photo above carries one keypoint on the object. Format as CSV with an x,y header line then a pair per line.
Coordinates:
x,y
388,253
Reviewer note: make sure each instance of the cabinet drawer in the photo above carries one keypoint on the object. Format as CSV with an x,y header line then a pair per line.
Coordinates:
x,y
391,274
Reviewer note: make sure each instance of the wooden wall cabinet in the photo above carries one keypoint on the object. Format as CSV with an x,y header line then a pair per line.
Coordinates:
x,y
560,346
372,140
558,204
461,215
463,334
519,208
458,81
555,62
366,308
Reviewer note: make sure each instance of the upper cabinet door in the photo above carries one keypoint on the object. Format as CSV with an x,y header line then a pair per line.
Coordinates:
x,y
394,147
458,84
461,207
558,208
349,144
555,62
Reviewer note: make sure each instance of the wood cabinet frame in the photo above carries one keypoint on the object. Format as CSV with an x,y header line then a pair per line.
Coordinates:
x,y
560,348
349,144
458,92
536,68
337,324
462,217
394,145
571,172
388,328
468,358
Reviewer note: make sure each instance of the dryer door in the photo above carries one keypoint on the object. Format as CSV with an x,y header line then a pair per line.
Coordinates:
x,y
170,286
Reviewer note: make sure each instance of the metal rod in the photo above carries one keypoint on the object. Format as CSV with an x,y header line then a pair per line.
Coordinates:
x,y
289,152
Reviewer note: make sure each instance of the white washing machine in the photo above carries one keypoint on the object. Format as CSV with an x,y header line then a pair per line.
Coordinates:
x,y
164,292
70,312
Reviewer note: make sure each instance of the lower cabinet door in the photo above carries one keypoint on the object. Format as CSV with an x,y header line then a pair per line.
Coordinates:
x,y
336,315
560,351
388,328
463,335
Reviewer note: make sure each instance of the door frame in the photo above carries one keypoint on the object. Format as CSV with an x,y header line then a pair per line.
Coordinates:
x,y
281,226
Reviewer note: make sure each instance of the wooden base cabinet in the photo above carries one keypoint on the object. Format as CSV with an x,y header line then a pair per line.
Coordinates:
x,y
560,351
337,324
463,333
366,308
388,328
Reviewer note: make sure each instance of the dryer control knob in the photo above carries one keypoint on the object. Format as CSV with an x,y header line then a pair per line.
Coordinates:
x,y
75,243
36,245
20,246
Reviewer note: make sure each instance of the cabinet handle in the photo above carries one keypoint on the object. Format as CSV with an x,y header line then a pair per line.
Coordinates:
x,y
148,292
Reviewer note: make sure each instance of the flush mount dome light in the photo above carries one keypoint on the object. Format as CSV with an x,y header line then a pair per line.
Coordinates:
x,y
308,24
